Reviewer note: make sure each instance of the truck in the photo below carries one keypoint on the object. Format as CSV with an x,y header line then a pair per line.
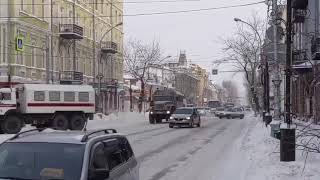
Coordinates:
x,y
164,103
55,106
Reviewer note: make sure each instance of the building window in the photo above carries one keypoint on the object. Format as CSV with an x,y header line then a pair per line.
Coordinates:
x,y
22,6
69,96
4,45
54,96
39,96
83,97
43,8
5,96
96,4
33,7
44,58
102,6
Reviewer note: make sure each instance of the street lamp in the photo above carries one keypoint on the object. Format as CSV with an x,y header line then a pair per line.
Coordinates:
x,y
100,76
266,74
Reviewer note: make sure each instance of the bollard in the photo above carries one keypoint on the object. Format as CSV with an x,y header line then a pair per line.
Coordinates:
x,y
287,143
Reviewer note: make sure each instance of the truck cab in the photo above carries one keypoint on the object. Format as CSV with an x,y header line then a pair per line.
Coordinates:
x,y
8,100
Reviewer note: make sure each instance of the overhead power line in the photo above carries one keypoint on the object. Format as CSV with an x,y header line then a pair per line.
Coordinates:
x,y
121,2
159,13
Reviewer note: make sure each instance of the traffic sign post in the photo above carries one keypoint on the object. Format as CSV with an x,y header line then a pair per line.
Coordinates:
x,y
19,44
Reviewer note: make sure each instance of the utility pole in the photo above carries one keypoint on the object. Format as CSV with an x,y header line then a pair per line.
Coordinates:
x,y
277,80
94,45
74,41
49,59
288,133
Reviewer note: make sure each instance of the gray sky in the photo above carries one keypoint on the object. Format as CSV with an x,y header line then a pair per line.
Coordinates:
x,y
198,32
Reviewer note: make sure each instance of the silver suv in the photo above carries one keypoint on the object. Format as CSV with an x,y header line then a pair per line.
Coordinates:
x,y
70,155
185,116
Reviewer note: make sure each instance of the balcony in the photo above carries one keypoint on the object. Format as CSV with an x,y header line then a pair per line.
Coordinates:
x,y
299,4
71,31
299,15
109,47
315,48
71,77
299,56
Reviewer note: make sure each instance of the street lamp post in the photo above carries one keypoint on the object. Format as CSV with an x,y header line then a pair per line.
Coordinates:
x,y
100,76
266,73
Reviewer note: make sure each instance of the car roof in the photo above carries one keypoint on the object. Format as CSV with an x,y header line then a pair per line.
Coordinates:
x,y
52,136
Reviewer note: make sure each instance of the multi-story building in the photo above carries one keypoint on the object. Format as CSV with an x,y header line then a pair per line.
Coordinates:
x,y
203,77
63,35
306,55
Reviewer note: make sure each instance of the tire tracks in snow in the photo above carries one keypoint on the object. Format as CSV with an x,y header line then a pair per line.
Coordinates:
x,y
177,140
189,154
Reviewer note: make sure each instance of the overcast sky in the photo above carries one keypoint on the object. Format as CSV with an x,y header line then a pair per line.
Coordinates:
x,y
198,33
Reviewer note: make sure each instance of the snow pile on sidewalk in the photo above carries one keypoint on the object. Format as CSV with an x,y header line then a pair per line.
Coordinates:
x,y
263,156
117,120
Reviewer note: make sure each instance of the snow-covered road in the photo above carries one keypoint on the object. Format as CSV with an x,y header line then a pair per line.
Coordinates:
x,y
205,153
222,149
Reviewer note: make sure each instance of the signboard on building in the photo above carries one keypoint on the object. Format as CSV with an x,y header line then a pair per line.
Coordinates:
x,y
214,71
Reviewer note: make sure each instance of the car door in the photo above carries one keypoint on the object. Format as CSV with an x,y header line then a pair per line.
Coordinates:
x,y
119,169
196,116
130,159
98,161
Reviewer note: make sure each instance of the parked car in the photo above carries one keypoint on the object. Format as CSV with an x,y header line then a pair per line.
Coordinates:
x,y
73,155
185,116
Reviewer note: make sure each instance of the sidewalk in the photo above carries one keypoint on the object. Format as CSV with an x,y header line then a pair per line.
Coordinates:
x,y
262,152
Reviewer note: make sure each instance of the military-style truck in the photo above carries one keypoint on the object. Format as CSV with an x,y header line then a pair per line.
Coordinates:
x,y
163,103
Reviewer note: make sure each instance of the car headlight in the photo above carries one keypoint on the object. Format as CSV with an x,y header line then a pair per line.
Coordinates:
x,y
171,117
188,118
168,112
151,112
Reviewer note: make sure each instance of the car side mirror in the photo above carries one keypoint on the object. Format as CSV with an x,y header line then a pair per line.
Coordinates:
x,y
99,174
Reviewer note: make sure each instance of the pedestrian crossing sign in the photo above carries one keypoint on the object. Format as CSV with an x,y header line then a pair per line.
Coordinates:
x,y
19,44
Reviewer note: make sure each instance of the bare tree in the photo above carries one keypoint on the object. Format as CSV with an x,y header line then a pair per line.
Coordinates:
x,y
138,56
231,90
243,49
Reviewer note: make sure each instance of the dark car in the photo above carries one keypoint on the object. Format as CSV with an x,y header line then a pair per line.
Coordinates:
x,y
73,155
185,116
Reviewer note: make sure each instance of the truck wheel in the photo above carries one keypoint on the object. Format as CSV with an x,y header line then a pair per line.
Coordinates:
x,y
77,122
151,120
60,122
11,125
199,124
191,124
159,120
170,125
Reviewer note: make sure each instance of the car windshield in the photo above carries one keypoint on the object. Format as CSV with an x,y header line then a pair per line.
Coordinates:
x,y
41,161
183,111
162,98
220,109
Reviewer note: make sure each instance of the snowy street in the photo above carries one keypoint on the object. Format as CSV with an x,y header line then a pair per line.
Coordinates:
x,y
199,153
221,149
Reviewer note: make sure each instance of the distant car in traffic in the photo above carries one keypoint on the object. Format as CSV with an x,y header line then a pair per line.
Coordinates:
x,y
202,111
187,116
219,110
231,113
71,155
